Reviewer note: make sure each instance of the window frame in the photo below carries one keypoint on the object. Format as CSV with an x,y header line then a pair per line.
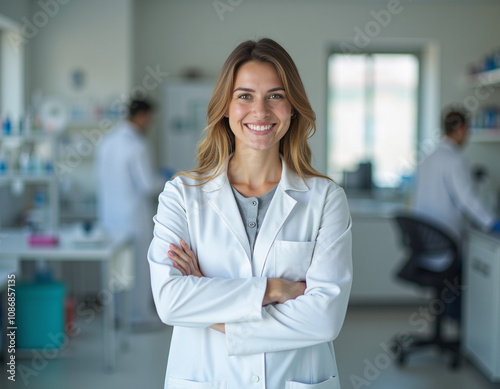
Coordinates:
x,y
419,53
12,72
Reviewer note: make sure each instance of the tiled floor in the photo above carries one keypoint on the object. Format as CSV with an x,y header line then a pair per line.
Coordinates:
x,y
361,353
365,360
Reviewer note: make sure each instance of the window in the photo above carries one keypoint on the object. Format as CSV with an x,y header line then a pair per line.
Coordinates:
x,y
372,114
11,70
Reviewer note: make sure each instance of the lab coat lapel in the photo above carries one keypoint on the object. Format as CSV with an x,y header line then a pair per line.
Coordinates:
x,y
224,203
280,208
278,211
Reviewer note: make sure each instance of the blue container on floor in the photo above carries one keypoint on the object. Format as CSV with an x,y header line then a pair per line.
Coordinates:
x,y
40,315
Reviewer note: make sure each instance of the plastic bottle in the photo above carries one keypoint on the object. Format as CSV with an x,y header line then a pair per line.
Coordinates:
x,y
27,123
3,164
14,126
25,161
39,215
7,126
489,117
43,272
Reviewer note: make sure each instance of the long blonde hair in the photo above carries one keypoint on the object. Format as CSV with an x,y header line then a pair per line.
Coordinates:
x,y
219,142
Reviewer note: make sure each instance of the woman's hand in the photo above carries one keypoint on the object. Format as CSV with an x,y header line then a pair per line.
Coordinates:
x,y
221,327
184,260
280,290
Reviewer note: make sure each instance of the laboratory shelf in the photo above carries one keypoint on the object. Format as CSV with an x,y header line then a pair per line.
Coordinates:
x,y
27,177
32,136
491,77
479,135
42,178
28,149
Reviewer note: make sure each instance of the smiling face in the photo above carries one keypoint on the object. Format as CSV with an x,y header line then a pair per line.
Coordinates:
x,y
259,111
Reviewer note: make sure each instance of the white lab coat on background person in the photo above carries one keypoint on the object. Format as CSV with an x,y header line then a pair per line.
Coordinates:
x,y
305,235
445,191
126,188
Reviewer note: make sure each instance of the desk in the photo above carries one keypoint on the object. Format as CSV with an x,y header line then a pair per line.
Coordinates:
x,y
115,255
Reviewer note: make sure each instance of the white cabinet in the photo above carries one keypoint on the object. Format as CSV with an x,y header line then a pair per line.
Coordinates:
x,y
377,255
481,327
184,116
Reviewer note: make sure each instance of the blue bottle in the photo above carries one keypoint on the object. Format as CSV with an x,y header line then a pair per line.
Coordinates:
x,y
7,126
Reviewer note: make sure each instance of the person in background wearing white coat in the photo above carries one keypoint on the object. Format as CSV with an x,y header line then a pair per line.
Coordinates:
x,y
444,186
251,259
126,188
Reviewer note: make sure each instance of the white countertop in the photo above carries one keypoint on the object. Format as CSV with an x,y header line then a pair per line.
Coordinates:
x,y
14,244
374,208
492,236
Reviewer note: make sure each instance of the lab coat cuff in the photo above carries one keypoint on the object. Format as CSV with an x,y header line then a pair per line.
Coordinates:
x,y
238,333
254,300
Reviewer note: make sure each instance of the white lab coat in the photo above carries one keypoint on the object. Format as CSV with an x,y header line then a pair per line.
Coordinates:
x,y
306,235
126,187
445,191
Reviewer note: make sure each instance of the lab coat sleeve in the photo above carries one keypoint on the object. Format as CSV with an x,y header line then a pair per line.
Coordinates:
x,y
317,316
462,192
191,301
142,172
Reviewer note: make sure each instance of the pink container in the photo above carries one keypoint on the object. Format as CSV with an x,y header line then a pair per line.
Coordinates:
x,y
43,240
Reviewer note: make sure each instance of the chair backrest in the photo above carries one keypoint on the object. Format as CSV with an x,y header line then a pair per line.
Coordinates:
x,y
428,242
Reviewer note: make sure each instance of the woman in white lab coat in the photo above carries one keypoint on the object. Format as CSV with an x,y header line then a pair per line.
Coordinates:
x,y
253,305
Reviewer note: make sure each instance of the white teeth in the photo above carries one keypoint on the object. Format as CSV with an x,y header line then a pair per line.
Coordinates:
x,y
259,128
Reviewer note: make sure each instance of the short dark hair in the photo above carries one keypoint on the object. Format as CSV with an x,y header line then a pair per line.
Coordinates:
x,y
138,106
454,117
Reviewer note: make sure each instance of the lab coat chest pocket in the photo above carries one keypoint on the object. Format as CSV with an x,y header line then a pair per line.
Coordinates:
x,y
176,383
292,259
332,383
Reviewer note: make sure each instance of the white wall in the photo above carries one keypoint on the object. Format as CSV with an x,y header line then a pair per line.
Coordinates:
x,y
114,39
94,37
91,35
14,9
11,70
178,34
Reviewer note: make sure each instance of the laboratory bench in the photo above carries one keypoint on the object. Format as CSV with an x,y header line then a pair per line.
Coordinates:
x,y
377,254
481,303
114,253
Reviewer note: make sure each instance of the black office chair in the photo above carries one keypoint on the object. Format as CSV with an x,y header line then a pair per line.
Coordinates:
x,y
433,261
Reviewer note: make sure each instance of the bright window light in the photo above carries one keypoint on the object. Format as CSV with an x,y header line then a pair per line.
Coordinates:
x,y
372,114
